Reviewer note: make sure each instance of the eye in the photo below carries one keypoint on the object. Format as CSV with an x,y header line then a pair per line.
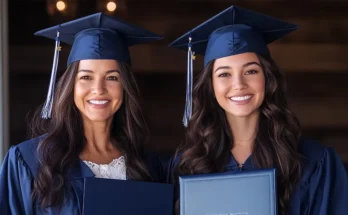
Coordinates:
x,y
222,75
251,72
85,77
112,78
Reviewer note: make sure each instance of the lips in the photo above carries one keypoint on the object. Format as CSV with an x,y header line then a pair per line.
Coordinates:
x,y
240,98
98,102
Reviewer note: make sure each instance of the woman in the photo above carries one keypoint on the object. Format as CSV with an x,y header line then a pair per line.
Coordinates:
x,y
241,120
96,128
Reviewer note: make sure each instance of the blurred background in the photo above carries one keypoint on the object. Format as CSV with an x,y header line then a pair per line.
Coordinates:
x,y
314,60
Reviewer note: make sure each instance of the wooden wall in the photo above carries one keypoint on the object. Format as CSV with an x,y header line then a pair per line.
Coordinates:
x,y
314,60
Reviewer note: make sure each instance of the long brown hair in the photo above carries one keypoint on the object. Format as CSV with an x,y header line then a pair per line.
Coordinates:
x,y
208,141
64,137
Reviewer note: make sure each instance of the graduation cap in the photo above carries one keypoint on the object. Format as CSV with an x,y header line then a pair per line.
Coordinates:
x,y
97,36
233,31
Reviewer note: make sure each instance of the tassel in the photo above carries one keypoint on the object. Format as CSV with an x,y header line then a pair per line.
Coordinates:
x,y
47,108
188,104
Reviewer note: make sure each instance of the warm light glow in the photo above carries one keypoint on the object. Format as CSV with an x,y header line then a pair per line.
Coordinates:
x,y
111,6
60,5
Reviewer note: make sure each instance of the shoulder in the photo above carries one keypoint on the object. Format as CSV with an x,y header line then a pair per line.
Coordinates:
x,y
26,153
318,159
312,151
29,146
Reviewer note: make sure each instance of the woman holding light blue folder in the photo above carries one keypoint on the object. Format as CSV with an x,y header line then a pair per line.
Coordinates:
x,y
237,116
90,126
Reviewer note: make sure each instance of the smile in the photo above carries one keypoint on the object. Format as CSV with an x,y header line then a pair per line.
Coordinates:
x,y
98,102
240,98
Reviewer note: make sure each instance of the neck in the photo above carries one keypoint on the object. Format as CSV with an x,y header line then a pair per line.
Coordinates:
x,y
244,131
99,147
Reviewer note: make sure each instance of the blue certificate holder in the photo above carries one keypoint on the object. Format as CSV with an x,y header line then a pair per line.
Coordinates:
x,y
238,193
126,197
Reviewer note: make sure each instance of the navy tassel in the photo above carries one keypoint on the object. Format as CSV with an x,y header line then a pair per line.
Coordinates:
x,y
188,105
47,108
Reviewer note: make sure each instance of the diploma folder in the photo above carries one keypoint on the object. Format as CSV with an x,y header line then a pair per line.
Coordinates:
x,y
238,193
126,197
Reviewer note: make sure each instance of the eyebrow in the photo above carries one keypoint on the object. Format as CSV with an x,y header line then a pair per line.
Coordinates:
x,y
107,72
243,66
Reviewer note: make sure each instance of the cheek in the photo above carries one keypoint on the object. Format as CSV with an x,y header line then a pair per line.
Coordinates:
x,y
116,90
220,87
260,85
256,83
80,90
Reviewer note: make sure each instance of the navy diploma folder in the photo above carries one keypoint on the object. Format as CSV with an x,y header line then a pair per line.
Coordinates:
x,y
238,193
126,197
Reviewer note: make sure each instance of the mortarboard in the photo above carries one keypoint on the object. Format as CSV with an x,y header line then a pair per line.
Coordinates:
x,y
233,31
97,36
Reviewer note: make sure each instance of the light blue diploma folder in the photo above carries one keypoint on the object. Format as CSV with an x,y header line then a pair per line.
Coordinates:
x,y
238,193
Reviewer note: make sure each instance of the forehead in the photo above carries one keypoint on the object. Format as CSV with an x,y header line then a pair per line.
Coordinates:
x,y
237,60
98,65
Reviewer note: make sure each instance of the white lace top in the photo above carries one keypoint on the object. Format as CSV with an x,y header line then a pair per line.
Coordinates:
x,y
114,170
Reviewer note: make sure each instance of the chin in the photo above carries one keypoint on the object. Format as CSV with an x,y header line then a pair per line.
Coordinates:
x,y
241,113
98,118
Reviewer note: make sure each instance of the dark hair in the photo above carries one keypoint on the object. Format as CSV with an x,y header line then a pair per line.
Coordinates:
x,y
64,137
207,146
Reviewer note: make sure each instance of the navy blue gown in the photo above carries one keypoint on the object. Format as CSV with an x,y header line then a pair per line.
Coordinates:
x,y
323,187
20,167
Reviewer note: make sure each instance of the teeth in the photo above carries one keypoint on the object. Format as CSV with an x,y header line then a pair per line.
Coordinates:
x,y
98,102
240,98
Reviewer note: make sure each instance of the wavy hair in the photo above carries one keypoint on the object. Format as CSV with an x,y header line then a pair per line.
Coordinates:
x,y
208,138
64,137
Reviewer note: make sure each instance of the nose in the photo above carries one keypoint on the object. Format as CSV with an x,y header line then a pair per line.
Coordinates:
x,y
238,82
99,87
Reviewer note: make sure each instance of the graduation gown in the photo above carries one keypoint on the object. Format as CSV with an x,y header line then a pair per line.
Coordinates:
x,y
322,189
20,167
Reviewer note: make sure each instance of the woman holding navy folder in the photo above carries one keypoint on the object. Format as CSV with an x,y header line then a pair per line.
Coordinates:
x,y
238,118
90,126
